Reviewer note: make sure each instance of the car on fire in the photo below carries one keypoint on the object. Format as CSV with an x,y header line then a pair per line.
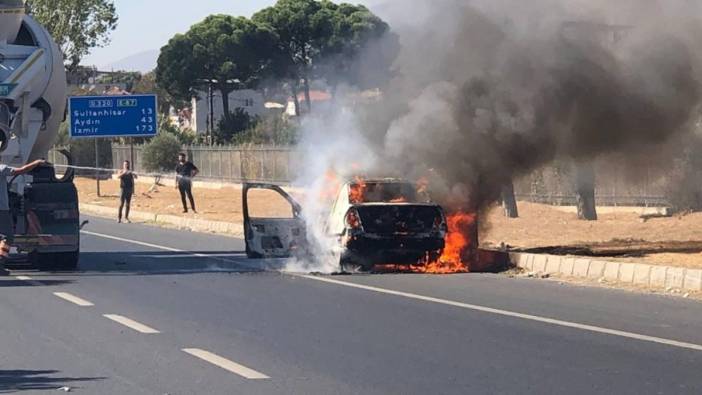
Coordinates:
x,y
373,221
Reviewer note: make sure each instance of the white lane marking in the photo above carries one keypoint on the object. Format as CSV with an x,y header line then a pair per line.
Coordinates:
x,y
190,255
137,326
73,299
160,247
141,243
29,280
545,320
226,364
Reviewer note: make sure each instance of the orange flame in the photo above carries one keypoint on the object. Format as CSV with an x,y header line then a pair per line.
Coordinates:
x,y
457,254
357,191
459,245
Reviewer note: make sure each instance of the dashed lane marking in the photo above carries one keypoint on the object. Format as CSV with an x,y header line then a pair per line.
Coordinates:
x,y
129,323
73,299
484,309
226,364
29,280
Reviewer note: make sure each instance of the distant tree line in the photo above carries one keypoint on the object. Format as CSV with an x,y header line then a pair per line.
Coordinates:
x,y
283,47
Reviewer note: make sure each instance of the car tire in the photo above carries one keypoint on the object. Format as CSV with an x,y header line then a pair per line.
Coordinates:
x,y
350,267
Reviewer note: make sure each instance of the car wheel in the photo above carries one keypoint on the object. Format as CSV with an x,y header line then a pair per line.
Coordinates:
x,y
349,266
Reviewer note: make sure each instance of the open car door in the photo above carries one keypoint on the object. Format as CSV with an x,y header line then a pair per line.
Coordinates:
x,y
273,226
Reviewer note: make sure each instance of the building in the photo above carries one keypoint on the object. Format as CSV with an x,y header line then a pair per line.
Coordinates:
x,y
250,101
318,98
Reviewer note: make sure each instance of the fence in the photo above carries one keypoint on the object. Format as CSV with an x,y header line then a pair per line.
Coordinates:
x,y
615,184
228,164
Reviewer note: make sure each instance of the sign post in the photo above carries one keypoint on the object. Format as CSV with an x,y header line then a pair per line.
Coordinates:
x,y
112,116
97,166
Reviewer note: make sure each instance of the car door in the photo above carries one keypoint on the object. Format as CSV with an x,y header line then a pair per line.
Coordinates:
x,y
273,225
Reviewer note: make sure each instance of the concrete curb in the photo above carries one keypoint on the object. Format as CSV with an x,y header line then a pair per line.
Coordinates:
x,y
630,273
196,225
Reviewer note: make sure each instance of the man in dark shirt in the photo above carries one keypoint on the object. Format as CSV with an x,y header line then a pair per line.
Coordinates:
x,y
185,172
126,185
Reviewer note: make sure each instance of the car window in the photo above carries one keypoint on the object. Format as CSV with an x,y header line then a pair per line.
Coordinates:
x,y
267,203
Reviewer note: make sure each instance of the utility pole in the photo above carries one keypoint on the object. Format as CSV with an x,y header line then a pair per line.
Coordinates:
x,y
211,126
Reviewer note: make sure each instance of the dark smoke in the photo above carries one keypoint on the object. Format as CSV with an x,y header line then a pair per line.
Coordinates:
x,y
485,91
487,94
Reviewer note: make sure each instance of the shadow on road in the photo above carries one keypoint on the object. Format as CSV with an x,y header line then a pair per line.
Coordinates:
x,y
164,262
35,380
40,283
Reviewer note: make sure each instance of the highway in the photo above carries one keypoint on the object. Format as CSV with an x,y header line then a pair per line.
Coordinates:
x,y
159,311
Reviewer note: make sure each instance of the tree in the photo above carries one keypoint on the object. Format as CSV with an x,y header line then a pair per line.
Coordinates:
x,y
301,30
361,51
509,201
238,121
225,52
128,78
147,84
313,32
585,191
77,25
161,153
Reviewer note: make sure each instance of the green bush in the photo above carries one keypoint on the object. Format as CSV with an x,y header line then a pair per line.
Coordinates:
x,y
161,153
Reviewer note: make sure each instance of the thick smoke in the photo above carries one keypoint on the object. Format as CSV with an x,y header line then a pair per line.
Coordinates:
x,y
488,90
522,83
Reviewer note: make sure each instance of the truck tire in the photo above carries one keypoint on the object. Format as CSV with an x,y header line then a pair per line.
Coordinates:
x,y
60,261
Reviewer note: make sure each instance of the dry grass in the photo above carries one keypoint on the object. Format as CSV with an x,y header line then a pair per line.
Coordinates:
x,y
544,226
213,204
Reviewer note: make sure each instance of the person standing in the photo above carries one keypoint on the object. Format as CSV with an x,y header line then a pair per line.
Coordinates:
x,y
7,226
185,172
126,185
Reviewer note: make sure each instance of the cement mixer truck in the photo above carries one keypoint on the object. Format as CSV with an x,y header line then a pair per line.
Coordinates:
x,y
43,207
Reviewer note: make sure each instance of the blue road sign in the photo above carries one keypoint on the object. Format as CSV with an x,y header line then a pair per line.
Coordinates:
x,y
113,116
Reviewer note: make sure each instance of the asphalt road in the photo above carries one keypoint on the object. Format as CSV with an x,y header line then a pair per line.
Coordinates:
x,y
156,311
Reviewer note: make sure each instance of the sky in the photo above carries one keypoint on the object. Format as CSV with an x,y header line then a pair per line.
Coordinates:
x,y
147,25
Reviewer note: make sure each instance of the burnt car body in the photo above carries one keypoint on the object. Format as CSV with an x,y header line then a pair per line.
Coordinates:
x,y
385,221
374,222
273,237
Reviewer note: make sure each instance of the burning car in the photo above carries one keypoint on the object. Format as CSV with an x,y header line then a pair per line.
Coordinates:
x,y
373,221
385,221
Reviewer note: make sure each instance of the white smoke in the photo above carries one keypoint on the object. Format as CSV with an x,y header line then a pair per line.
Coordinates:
x,y
332,150
488,90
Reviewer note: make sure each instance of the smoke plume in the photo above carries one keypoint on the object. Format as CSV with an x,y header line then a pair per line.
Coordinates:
x,y
488,90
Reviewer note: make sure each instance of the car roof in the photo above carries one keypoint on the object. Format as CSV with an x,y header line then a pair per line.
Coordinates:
x,y
379,180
